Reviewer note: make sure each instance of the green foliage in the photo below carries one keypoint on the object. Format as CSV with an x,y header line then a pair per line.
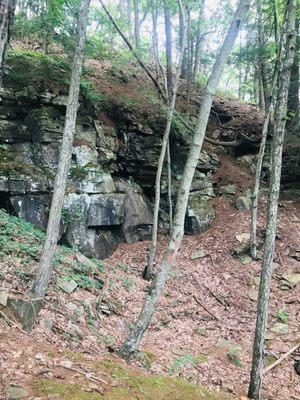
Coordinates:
x,y
28,68
282,316
19,238
86,282
184,360
89,93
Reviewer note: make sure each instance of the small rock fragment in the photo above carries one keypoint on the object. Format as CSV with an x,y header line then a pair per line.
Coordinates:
x,y
280,328
198,254
229,387
3,298
67,286
253,295
243,237
243,203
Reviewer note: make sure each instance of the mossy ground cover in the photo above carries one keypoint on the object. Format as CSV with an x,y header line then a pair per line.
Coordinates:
x,y
21,243
127,383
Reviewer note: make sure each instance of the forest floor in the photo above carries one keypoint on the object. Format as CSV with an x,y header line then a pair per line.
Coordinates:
x,y
202,330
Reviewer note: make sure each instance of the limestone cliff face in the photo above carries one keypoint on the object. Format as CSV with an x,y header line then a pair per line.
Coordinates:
x,y
111,180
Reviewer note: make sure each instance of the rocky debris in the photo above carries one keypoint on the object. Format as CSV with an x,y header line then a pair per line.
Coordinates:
x,y
74,308
67,285
280,328
228,190
200,214
3,298
198,254
243,237
289,280
25,311
228,387
253,294
295,253
243,203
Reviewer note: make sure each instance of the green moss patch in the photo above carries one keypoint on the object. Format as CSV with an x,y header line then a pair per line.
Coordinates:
x,y
127,383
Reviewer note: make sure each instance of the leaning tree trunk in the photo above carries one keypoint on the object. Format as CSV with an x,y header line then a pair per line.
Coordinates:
x,y
132,342
276,160
45,266
7,11
260,156
165,142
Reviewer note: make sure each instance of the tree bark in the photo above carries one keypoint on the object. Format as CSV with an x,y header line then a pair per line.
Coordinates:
x,y
199,39
293,98
263,91
132,342
261,152
168,34
276,161
7,11
136,11
45,266
164,147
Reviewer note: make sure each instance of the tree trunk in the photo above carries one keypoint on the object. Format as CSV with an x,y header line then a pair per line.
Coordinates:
x,y
293,99
168,34
199,39
165,145
132,342
7,11
45,266
276,160
136,24
261,153
128,17
261,58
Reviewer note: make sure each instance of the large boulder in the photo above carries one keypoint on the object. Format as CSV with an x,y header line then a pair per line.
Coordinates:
x,y
106,209
138,216
33,208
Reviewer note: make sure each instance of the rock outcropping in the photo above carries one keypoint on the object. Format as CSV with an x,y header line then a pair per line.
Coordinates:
x,y
111,179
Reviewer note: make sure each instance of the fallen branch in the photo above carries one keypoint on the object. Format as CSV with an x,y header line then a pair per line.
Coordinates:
x,y
6,319
282,358
87,375
219,300
205,308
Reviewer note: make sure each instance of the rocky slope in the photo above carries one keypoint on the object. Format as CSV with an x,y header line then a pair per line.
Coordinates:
x,y
117,143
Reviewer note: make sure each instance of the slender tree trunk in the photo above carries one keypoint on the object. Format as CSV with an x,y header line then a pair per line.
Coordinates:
x,y
199,39
276,161
168,34
261,59
293,99
170,187
165,145
129,22
189,61
260,156
136,24
7,11
132,342
45,266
